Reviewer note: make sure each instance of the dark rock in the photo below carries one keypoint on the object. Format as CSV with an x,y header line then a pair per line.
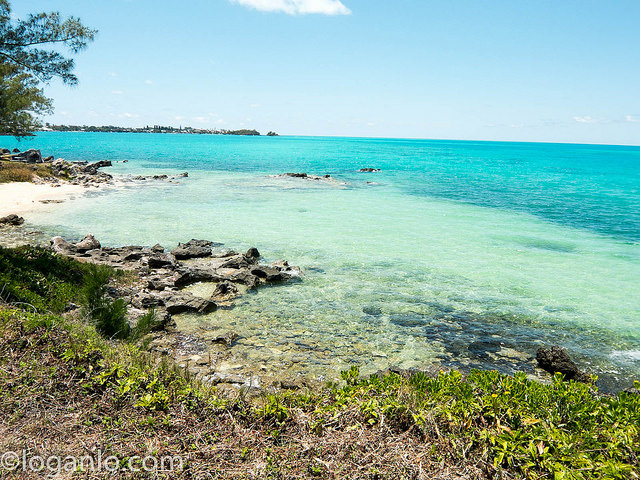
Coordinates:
x,y
186,276
12,219
157,248
237,262
193,249
182,302
244,277
5,151
296,175
160,177
557,360
224,291
29,156
48,159
16,150
89,242
160,261
369,170
270,274
252,253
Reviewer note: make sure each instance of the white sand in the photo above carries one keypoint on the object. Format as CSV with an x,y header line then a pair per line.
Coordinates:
x,y
23,197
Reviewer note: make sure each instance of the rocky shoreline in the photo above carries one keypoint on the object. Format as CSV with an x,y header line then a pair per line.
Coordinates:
x,y
160,278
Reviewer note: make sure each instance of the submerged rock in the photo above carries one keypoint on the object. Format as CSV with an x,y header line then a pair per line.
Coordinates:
x,y
557,360
369,170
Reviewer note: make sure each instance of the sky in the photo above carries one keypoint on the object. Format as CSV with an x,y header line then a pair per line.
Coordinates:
x,y
512,70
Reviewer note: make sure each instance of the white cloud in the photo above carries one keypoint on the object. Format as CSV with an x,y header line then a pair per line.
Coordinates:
x,y
117,92
633,118
585,119
295,7
148,82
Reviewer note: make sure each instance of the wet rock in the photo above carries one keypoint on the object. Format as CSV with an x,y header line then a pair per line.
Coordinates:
x,y
269,274
193,249
252,253
295,175
225,338
557,360
89,242
237,262
224,291
372,310
5,151
12,219
157,248
92,168
369,170
245,278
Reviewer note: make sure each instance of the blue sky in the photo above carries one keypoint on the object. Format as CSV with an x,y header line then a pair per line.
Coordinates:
x,y
544,70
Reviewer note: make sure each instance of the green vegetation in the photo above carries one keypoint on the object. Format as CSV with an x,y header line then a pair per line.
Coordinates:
x,y
393,426
23,172
24,64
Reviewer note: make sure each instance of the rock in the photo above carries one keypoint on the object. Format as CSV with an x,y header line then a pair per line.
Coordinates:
x,y
557,360
252,253
193,249
157,248
92,168
269,274
296,175
48,159
61,246
89,242
224,291
369,170
12,219
182,302
244,277
5,151
237,262
182,175
16,150
29,156
160,261
372,310
186,276
226,338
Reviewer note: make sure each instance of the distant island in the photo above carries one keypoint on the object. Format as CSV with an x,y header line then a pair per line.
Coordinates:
x,y
148,129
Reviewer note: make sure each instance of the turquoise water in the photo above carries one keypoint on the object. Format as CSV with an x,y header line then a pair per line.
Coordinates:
x,y
455,254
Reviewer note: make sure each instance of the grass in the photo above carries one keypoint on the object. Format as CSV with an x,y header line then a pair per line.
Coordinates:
x,y
23,172
65,388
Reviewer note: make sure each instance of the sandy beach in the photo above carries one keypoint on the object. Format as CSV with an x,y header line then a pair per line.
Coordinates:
x,y
22,198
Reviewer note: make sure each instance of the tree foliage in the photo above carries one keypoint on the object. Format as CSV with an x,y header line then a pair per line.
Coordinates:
x,y
30,56
20,101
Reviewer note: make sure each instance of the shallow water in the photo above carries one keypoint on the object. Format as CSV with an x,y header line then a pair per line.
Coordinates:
x,y
455,254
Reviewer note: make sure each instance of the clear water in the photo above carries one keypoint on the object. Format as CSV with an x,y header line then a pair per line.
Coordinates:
x,y
455,254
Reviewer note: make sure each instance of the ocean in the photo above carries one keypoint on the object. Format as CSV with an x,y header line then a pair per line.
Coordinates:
x,y
456,254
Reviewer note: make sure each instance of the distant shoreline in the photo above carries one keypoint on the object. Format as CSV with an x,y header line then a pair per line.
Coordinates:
x,y
153,129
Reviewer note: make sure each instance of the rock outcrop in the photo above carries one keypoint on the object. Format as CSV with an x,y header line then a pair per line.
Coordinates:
x,y
557,360
13,220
